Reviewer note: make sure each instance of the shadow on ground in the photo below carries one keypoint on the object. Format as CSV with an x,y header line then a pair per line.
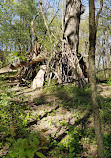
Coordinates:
x,y
59,121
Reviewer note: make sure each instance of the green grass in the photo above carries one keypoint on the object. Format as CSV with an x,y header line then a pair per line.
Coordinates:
x,y
15,116
74,97
77,98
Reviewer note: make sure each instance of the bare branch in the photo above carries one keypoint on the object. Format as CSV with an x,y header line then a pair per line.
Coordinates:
x,y
45,22
12,68
53,17
99,12
103,70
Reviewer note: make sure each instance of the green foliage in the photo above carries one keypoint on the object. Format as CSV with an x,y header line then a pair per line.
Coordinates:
x,y
18,142
69,147
13,120
105,110
64,123
107,145
50,86
39,101
52,142
26,147
74,144
40,155
72,96
109,81
12,115
1,63
15,31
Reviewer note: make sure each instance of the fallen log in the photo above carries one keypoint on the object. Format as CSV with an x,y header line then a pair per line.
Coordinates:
x,y
6,70
14,67
29,62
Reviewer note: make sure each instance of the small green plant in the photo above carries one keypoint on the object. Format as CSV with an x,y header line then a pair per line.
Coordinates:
x,y
75,147
50,86
12,116
105,110
39,100
64,123
26,148
107,145
109,81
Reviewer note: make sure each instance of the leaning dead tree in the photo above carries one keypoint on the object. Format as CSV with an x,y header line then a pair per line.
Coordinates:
x,y
66,65
13,67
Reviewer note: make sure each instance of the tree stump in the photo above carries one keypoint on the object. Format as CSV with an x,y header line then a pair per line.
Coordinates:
x,y
39,78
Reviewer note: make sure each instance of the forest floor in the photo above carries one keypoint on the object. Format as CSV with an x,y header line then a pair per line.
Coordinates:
x,y
63,118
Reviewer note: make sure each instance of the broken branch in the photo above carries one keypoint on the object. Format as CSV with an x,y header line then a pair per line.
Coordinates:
x,y
13,67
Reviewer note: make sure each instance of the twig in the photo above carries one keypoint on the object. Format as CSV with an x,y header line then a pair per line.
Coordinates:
x,y
45,22
99,12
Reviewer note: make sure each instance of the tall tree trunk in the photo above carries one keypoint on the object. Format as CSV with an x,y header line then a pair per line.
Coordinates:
x,y
71,62
63,4
71,22
92,42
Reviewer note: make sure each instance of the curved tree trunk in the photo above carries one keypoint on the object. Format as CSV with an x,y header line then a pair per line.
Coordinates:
x,y
71,68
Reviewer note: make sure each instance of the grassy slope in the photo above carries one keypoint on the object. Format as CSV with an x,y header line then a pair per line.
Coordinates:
x,y
60,116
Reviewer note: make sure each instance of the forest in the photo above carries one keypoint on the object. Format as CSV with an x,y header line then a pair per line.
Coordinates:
x,y
55,79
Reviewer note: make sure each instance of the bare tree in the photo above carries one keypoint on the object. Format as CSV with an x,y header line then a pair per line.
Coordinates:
x,y
92,42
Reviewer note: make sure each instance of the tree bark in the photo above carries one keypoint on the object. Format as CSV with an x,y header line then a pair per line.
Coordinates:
x,y
71,23
71,63
38,81
10,68
92,43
